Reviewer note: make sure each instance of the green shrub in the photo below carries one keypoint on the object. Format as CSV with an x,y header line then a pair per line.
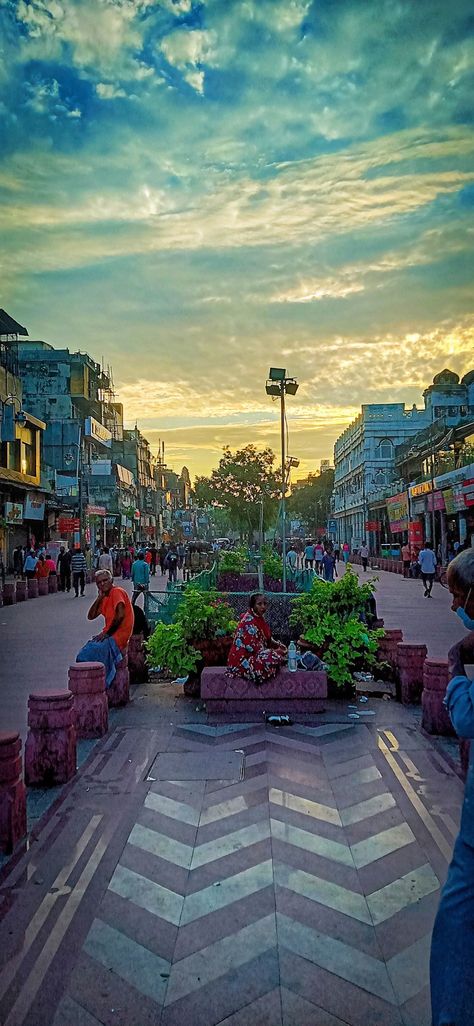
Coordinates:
x,y
167,647
345,645
345,598
233,560
202,615
272,564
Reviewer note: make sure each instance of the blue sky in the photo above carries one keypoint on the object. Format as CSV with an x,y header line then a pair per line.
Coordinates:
x,y
196,190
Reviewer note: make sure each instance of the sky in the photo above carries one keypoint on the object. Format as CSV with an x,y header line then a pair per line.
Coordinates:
x,y
194,191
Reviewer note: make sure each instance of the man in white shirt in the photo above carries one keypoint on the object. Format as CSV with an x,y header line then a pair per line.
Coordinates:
x,y
106,561
427,562
364,554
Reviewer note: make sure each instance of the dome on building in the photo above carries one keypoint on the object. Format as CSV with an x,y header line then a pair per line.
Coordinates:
x,y
468,379
446,377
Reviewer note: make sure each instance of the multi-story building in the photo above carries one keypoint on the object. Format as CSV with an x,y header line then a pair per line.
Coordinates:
x,y
133,452
22,490
364,463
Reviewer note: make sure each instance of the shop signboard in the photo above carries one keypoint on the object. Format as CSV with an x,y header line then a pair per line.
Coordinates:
x,y
332,526
435,501
68,525
34,506
397,510
96,511
468,489
96,432
420,489
372,525
449,501
415,533
13,512
458,497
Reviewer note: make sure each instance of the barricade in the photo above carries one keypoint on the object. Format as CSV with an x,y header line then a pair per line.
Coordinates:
x,y
91,710
387,649
43,585
12,793
21,591
9,593
52,584
50,749
118,692
411,658
33,587
137,665
435,718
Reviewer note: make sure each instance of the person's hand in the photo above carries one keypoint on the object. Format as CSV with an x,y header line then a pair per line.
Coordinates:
x,y
460,654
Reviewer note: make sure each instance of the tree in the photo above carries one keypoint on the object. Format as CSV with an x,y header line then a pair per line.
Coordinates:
x,y
312,503
243,481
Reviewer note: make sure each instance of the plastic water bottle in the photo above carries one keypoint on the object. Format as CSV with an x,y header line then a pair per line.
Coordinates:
x,y
292,657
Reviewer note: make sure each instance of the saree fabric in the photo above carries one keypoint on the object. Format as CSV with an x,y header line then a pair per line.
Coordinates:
x,y
251,656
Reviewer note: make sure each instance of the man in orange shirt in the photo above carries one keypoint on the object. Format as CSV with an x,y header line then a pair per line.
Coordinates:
x,y
107,647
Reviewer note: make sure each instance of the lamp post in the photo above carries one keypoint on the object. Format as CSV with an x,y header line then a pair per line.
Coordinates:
x,y
278,385
20,417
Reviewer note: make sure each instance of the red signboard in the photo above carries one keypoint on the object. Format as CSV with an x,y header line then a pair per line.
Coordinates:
x,y
415,533
468,490
435,501
67,525
372,525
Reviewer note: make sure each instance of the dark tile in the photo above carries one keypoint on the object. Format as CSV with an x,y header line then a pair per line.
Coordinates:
x,y
224,922
142,926
229,865
228,994
328,921
113,1001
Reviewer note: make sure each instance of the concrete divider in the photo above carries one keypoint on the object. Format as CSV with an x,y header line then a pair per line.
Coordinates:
x,y
411,659
52,584
43,585
50,749
435,718
33,587
91,710
21,591
9,593
12,792
118,693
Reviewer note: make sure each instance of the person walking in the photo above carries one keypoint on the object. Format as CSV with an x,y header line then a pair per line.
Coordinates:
x,y
364,555
154,556
30,564
162,553
171,564
328,566
140,576
78,568
309,556
452,943
427,563
105,561
318,557
406,558
291,558
346,551
63,567
52,572
126,565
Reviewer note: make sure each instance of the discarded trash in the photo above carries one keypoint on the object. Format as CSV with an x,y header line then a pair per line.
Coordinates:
x,y
353,716
276,720
363,698
201,707
366,712
151,779
352,707
386,698
155,669
363,676
180,680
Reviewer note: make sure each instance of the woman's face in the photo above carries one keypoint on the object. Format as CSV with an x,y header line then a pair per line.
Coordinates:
x,y
260,605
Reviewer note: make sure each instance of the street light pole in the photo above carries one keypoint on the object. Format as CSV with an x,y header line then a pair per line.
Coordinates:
x,y
283,483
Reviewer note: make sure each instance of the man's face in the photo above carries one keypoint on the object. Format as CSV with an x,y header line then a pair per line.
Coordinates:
x,y
104,584
462,598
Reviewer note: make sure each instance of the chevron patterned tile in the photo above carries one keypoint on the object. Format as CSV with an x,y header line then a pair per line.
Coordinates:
x,y
296,1011
407,890
383,843
158,900
131,961
335,851
291,801
324,892
264,1011
214,897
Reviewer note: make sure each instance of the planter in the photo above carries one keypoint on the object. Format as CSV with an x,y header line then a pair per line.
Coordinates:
x,y
435,718
214,652
411,659
387,651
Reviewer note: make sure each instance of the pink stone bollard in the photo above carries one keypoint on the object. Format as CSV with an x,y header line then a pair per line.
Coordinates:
x,y
387,651
435,718
12,793
43,585
9,593
464,750
91,709
1,598
411,658
137,665
118,693
50,749
21,591
52,584
33,587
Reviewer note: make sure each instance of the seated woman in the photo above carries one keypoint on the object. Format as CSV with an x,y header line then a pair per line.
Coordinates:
x,y
255,655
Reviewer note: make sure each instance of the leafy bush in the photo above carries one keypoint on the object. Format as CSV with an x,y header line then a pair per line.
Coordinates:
x,y
234,560
203,615
272,564
345,645
345,598
169,648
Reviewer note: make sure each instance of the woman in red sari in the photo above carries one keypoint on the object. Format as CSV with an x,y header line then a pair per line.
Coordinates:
x,y
255,655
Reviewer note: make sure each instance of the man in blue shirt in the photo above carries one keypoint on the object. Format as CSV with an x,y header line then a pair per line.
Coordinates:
x,y
140,576
452,950
30,564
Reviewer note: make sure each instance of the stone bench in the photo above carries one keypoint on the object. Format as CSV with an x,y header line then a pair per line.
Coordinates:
x,y
299,694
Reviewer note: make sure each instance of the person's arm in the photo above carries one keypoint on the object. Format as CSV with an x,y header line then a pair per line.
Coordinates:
x,y
94,610
459,699
119,616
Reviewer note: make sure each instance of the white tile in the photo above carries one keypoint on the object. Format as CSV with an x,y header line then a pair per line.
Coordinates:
x,y
305,806
158,900
169,807
369,807
159,844
131,961
331,895
225,892
383,843
234,841
331,850
407,890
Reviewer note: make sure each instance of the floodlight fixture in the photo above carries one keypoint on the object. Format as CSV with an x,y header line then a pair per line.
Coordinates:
x,y
293,461
291,386
277,374
273,388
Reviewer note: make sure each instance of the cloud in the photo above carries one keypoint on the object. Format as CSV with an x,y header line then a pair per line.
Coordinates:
x,y
189,51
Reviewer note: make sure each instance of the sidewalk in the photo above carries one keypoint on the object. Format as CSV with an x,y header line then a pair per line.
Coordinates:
x,y
234,875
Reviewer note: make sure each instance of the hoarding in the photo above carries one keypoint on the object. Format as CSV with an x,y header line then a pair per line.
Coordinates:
x,y
13,512
68,525
96,432
34,506
397,510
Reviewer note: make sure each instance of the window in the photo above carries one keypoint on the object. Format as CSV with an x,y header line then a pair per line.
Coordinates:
x,y
385,449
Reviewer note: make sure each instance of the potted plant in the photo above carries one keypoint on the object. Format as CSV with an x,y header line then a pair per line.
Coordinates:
x,y
208,623
168,647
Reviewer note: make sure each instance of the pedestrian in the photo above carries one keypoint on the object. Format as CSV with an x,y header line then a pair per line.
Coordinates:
x,y
452,945
328,566
346,552
96,557
106,561
181,551
108,646
318,557
63,567
427,563
292,558
78,568
154,556
126,565
337,552
30,564
41,569
50,564
140,576
364,555
17,560
406,557
171,564
309,556
148,557
162,553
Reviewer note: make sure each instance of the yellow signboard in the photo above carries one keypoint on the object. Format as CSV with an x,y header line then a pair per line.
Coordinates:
x,y
420,489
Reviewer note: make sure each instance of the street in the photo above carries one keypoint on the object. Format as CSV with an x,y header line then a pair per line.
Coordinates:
x,y
228,874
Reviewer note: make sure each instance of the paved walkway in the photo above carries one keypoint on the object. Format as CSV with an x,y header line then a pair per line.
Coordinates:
x,y
234,875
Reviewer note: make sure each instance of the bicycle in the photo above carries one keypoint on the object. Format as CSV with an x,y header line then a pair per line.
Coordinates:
x,y
442,577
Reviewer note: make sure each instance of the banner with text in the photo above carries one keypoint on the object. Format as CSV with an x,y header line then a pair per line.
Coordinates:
x,y
397,510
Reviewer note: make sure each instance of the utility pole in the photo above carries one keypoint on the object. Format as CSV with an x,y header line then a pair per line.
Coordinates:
x,y
283,482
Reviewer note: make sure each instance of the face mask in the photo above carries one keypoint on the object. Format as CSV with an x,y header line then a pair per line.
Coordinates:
x,y
463,616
